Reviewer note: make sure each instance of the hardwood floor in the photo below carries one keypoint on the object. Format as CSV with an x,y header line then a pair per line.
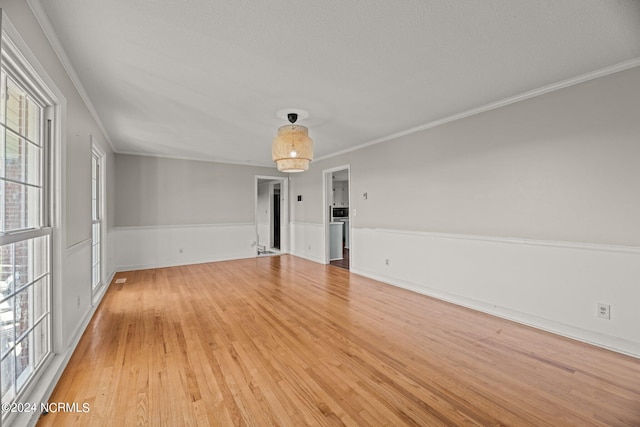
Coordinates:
x,y
284,341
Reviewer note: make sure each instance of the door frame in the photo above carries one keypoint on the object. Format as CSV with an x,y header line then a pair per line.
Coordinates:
x,y
284,210
327,179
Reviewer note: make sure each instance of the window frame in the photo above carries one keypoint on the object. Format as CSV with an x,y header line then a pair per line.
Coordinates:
x,y
98,155
29,234
26,69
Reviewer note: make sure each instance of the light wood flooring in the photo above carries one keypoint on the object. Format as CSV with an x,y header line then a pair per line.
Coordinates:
x,y
286,342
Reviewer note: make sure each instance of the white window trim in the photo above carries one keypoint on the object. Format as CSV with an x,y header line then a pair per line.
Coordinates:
x,y
97,150
21,60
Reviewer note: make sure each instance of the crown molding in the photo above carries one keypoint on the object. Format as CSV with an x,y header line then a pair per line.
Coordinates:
x,y
635,62
47,28
196,159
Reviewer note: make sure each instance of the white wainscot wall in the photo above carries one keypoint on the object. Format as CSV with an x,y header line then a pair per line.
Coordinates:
x,y
553,286
307,241
160,246
73,302
75,293
264,235
110,255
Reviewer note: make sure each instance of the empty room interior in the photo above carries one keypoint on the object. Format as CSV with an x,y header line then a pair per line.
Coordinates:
x,y
320,213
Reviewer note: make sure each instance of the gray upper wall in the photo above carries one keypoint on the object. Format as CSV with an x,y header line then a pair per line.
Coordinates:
x,y
564,166
155,191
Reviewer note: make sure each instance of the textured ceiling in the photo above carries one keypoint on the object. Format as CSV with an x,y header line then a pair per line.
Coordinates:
x,y
204,79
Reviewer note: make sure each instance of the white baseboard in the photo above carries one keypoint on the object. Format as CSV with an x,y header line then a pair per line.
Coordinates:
x,y
46,382
229,257
308,257
611,343
553,286
307,241
102,289
139,248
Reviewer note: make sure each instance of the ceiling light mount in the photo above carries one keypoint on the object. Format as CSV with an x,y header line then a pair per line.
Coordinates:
x,y
283,114
292,149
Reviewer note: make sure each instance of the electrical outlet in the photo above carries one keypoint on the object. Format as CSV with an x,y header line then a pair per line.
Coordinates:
x,y
386,261
604,311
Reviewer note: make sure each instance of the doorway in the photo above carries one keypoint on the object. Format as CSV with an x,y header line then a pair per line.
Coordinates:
x,y
275,218
337,221
271,215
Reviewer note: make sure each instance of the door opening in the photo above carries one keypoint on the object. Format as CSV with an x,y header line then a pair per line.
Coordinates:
x,y
337,220
276,218
271,215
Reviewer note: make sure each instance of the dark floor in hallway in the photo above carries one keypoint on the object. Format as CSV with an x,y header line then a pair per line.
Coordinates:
x,y
344,262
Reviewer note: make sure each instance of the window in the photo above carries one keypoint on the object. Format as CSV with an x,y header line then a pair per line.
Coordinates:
x,y
96,217
25,233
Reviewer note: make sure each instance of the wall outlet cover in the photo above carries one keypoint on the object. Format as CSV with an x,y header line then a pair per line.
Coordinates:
x,y
604,311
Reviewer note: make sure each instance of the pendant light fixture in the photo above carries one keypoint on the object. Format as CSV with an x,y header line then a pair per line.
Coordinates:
x,y
292,149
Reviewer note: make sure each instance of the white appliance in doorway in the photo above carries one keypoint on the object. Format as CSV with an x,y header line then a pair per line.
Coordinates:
x,y
342,215
335,240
